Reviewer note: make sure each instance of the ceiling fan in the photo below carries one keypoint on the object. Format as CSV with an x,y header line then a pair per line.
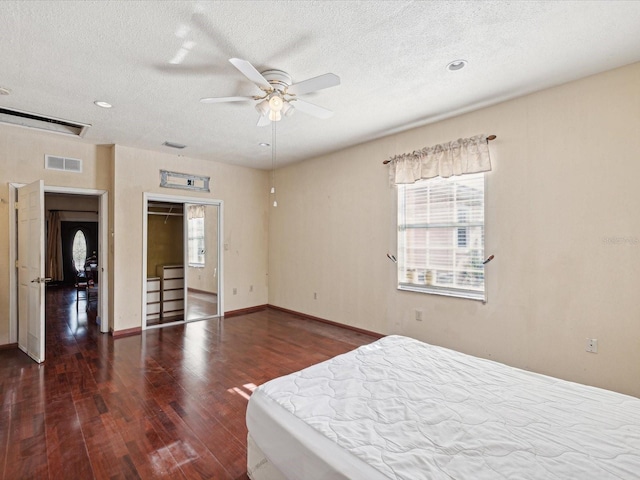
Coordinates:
x,y
279,95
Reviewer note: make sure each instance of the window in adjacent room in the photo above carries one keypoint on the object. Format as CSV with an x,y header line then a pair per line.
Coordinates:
x,y
79,250
441,236
195,235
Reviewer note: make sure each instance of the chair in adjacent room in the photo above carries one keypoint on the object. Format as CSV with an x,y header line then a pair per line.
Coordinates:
x,y
82,286
91,275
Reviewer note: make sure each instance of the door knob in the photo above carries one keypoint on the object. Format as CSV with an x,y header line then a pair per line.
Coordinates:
x,y
41,280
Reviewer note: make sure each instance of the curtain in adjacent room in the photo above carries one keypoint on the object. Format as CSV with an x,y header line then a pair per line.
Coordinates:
x,y
459,157
54,248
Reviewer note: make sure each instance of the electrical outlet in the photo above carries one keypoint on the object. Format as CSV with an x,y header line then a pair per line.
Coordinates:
x,y
315,295
251,288
418,315
235,291
592,345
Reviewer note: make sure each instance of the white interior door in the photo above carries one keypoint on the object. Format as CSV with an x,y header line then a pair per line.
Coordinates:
x,y
31,281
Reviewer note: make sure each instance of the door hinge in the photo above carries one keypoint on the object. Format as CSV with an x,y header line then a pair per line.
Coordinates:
x,y
17,264
16,205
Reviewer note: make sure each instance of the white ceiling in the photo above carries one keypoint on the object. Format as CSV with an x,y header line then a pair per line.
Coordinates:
x,y
58,57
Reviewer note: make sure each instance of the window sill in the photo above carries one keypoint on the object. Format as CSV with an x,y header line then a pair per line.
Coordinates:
x,y
467,294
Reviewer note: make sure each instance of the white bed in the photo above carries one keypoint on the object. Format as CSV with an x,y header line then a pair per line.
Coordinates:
x,y
402,409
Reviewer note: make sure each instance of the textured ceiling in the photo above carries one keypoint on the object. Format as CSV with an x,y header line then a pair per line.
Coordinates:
x,y
58,57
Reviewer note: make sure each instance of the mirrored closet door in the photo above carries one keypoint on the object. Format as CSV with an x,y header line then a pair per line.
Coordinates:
x,y
202,261
182,271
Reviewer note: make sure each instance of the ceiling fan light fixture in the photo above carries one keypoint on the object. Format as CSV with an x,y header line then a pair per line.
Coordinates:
x,y
263,107
288,109
278,90
276,103
275,116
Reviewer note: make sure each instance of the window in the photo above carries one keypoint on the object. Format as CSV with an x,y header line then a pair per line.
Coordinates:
x,y
441,236
195,236
79,250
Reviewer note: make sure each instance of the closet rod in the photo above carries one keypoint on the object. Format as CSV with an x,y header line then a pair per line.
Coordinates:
x,y
166,214
73,211
153,204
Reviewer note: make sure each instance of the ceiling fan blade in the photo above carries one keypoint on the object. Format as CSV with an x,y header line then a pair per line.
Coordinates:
x,y
263,121
311,109
316,83
225,99
251,73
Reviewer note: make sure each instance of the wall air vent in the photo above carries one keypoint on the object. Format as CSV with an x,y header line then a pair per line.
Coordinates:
x,y
53,162
40,122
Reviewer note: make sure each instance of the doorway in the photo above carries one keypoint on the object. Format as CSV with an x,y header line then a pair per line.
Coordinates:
x,y
182,260
75,195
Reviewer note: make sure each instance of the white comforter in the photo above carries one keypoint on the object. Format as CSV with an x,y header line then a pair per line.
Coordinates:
x,y
413,411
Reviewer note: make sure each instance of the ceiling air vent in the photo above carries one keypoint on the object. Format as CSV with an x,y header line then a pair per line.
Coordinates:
x,y
40,122
174,145
52,162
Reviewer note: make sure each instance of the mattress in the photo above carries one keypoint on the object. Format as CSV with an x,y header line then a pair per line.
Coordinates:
x,y
402,409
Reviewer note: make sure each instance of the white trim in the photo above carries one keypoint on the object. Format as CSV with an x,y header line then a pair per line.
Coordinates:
x,y
13,257
145,209
103,247
220,270
146,197
456,293
185,261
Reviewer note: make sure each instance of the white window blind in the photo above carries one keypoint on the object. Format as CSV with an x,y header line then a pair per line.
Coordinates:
x,y
441,236
196,239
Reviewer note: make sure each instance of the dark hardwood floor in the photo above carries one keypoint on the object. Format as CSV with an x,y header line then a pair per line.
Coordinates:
x,y
168,403
201,305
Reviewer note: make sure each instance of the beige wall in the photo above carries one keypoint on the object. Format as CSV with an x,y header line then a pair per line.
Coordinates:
x,y
562,222
126,173
244,192
22,154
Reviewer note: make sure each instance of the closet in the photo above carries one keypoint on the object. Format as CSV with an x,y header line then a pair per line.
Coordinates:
x,y
182,281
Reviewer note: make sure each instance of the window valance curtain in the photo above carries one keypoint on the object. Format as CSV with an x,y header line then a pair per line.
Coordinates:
x,y
195,211
465,155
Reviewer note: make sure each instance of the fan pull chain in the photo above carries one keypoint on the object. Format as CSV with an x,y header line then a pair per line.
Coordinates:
x,y
273,163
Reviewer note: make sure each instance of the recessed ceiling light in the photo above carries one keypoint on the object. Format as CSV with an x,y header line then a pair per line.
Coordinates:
x,y
102,104
264,144
456,65
4,91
